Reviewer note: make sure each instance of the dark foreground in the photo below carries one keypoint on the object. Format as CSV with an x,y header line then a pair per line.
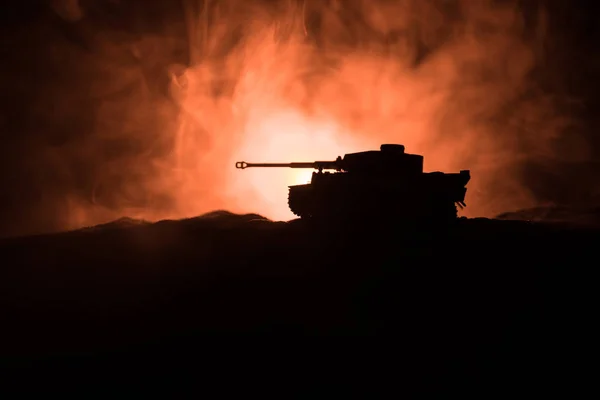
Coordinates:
x,y
367,309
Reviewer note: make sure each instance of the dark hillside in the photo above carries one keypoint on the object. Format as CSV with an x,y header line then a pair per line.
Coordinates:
x,y
487,299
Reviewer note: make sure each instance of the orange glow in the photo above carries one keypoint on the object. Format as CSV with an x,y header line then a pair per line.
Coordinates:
x,y
291,91
301,177
286,136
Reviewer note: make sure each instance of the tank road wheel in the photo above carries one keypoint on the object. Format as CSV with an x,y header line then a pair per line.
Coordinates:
x,y
300,202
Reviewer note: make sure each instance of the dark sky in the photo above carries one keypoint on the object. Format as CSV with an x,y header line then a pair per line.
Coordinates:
x,y
47,63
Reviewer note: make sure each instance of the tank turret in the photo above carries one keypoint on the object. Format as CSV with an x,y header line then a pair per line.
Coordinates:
x,y
386,181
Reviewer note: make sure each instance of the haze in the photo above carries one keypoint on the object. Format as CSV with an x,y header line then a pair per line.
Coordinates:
x,y
291,81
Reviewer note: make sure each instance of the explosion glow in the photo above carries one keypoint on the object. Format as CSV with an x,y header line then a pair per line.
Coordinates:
x,y
286,137
312,80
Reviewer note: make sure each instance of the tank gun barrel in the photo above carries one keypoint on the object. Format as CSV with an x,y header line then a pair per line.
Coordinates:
x,y
320,165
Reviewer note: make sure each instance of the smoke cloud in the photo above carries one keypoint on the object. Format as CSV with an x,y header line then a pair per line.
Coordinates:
x,y
162,113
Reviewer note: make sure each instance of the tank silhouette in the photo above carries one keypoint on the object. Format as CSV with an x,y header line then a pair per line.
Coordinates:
x,y
388,182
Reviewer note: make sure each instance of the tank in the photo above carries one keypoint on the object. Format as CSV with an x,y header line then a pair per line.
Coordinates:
x,y
386,182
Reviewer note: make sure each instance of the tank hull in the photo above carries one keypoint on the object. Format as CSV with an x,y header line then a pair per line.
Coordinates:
x,y
430,197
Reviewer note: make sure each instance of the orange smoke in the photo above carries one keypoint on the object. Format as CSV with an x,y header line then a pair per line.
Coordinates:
x,y
305,81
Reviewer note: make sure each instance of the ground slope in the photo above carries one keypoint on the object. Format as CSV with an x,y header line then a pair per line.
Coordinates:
x,y
482,297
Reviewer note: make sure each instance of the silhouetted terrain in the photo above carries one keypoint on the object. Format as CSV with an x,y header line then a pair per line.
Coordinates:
x,y
138,107
487,301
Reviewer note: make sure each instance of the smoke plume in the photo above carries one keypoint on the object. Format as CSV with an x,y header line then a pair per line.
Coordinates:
x,y
164,110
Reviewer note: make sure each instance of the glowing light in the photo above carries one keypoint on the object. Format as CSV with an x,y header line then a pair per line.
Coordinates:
x,y
301,177
285,91
283,136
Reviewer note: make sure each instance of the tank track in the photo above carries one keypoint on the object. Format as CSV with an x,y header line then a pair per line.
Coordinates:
x,y
302,204
298,203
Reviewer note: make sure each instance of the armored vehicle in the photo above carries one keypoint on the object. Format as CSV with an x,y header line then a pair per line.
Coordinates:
x,y
386,183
